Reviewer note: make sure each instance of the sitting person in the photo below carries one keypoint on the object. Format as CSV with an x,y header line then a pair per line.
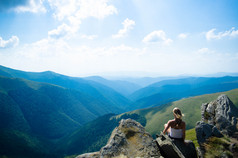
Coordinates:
x,y
176,127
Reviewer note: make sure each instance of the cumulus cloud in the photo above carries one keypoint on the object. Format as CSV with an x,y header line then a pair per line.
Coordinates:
x,y
73,12
81,9
12,42
230,33
157,37
127,26
61,31
34,6
182,35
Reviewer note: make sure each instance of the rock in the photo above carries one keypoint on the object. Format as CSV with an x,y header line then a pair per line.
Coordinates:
x,y
220,113
218,119
89,155
171,148
128,140
168,148
205,131
216,132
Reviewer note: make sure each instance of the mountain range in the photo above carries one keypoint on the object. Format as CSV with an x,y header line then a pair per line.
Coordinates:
x,y
46,114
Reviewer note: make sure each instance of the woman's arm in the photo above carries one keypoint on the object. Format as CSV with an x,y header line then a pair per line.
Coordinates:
x,y
167,126
184,131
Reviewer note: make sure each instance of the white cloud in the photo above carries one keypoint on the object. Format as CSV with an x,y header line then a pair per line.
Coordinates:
x,y
33,6
60,32
82,9
212,35
158,36
12,42
127,26
205,51
182,35
72,13
89,37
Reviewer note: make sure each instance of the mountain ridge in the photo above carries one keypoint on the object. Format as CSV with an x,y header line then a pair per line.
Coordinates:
x,y
91,88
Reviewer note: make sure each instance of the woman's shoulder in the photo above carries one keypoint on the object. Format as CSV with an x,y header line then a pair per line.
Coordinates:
x,y
171,121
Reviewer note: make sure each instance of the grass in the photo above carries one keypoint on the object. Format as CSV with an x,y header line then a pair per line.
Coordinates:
x,y
156,117
216,147
191,135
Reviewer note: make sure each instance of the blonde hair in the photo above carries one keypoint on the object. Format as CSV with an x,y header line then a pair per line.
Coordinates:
x,y
177,113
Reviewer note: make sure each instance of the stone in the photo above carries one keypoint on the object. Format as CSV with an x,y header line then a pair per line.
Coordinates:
x,y
218,119
167,147
216,132
89,155
221,113
171,148
203,131
130,139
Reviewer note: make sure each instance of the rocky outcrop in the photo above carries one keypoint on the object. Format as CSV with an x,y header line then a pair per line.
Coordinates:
x,y
129,139
218,119
205,131
220,113
176,148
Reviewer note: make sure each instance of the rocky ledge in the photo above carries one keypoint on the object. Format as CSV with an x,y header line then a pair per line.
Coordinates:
x,y
219,119
130,139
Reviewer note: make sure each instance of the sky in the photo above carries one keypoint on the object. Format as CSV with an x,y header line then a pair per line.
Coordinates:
x,y
120,37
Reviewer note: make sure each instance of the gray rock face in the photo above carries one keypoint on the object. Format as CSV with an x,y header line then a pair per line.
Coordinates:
x,y
221,113
171,148
204,131
128,140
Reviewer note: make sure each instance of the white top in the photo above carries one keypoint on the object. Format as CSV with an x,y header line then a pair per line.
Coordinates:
x,y
176,133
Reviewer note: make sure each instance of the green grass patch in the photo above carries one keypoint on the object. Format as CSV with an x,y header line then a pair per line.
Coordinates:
x,y
216,147
191,135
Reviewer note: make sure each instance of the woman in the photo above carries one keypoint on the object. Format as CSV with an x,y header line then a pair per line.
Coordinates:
x,y
176,127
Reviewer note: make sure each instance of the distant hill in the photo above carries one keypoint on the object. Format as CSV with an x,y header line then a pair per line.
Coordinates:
x,y
45,109
123,87
170,90
103,93
156,117
146,81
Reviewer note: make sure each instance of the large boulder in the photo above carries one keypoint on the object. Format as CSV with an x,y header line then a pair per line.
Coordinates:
x,y
127,140
218,118
221,113
172,148
205,131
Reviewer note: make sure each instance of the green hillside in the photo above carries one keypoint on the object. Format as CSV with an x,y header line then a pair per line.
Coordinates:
x,y
156,117
48,110
105,94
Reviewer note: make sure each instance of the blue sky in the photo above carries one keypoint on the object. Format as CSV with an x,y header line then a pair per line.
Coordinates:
x,y
120,37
